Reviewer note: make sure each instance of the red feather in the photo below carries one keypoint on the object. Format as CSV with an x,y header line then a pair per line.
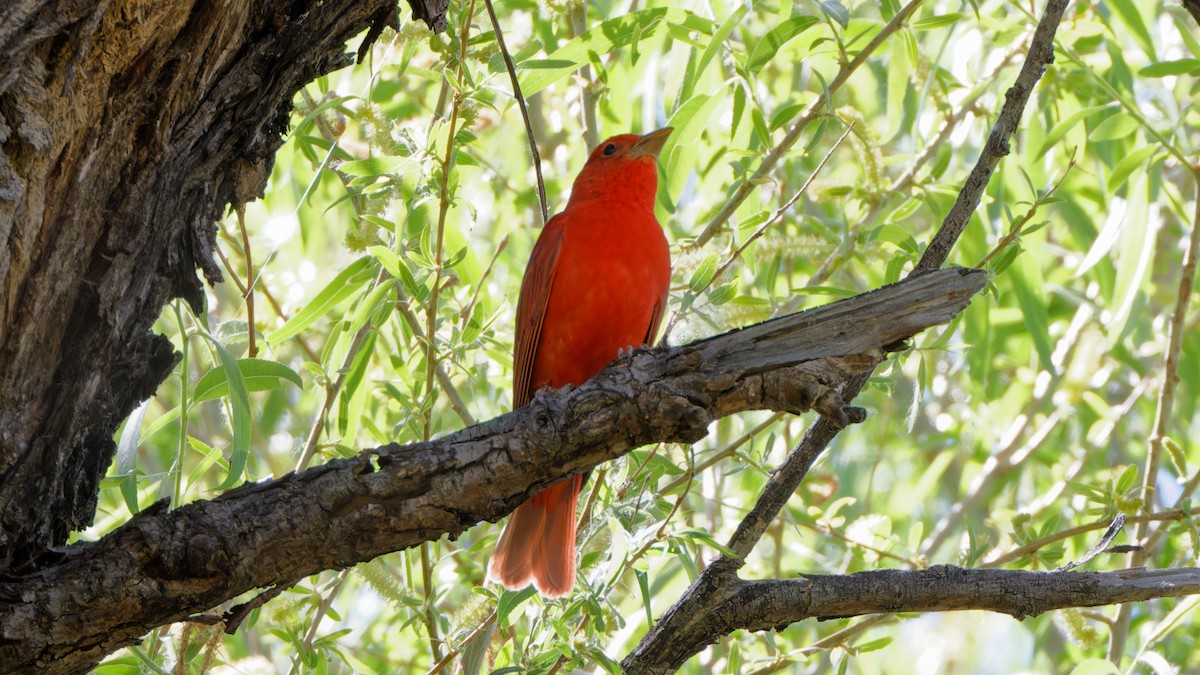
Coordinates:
x,y
595,284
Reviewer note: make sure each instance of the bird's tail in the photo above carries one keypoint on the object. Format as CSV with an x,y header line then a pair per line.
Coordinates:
x,y
538,543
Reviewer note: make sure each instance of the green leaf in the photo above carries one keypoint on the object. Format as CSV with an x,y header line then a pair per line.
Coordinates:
x,y
785,114
704,273
1165,68
509,602
722,294
211,456
367,308
1059,130
1120,125
601,39
644,586
257,374
689,121
239,415
739,107
1027,285
160,423
388,258
1133,20
836,11
776,38
341,287
548,64
894,234
939,21
714,46
378,166
873,645
1130,163
1128,479
127,455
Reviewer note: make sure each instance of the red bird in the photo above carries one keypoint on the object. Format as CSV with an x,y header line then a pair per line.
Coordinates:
x,y
595,284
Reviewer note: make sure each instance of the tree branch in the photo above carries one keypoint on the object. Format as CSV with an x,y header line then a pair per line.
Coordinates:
x,y
699,599
766,605
164,566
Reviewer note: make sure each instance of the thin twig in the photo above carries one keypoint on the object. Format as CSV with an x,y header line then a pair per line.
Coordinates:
x,y
1019,224
516,85
810,114
591,131
332,391
727,451
775,218
262,286
1162,412
252,349
908,179
414,324
470,306
429,616
1036,545
1041,54
787,478
319,615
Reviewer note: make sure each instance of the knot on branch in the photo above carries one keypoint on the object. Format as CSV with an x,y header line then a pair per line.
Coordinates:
x,y
681,420
813,385
193,552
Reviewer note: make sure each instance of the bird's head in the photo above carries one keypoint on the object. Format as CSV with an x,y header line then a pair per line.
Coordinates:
x,y
622,168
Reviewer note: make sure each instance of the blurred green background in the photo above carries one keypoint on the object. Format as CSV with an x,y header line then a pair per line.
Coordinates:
x,y
986,444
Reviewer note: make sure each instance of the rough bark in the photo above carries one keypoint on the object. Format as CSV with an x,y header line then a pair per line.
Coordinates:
x,y
731,603
162,567
126,127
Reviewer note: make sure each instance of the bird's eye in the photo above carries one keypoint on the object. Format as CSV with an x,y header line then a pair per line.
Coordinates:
x,y
610,149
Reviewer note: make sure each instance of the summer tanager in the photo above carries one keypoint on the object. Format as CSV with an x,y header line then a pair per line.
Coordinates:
x,y
596,284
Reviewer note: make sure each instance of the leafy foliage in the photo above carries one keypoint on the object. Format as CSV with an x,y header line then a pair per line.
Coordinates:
x,y
388,251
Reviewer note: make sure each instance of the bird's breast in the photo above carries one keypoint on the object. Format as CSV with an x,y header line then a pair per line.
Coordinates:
x,y
610,283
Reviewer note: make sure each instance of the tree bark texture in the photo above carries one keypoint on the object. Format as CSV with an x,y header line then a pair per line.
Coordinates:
x,y
162,567
731,603
126,127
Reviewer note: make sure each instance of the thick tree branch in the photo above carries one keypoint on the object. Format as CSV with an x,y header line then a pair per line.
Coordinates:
x,y
698,600
767,605
164,566
1193,8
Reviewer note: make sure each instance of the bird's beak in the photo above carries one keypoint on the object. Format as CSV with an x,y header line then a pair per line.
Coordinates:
x,y
650,144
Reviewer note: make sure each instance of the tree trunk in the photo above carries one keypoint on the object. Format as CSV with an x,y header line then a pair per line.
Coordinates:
x,y
126,127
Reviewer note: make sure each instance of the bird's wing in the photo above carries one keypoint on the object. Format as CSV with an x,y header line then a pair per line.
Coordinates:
x,y
531,307
656,317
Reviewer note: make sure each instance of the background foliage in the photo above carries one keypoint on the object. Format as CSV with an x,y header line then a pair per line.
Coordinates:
x,y
404,205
